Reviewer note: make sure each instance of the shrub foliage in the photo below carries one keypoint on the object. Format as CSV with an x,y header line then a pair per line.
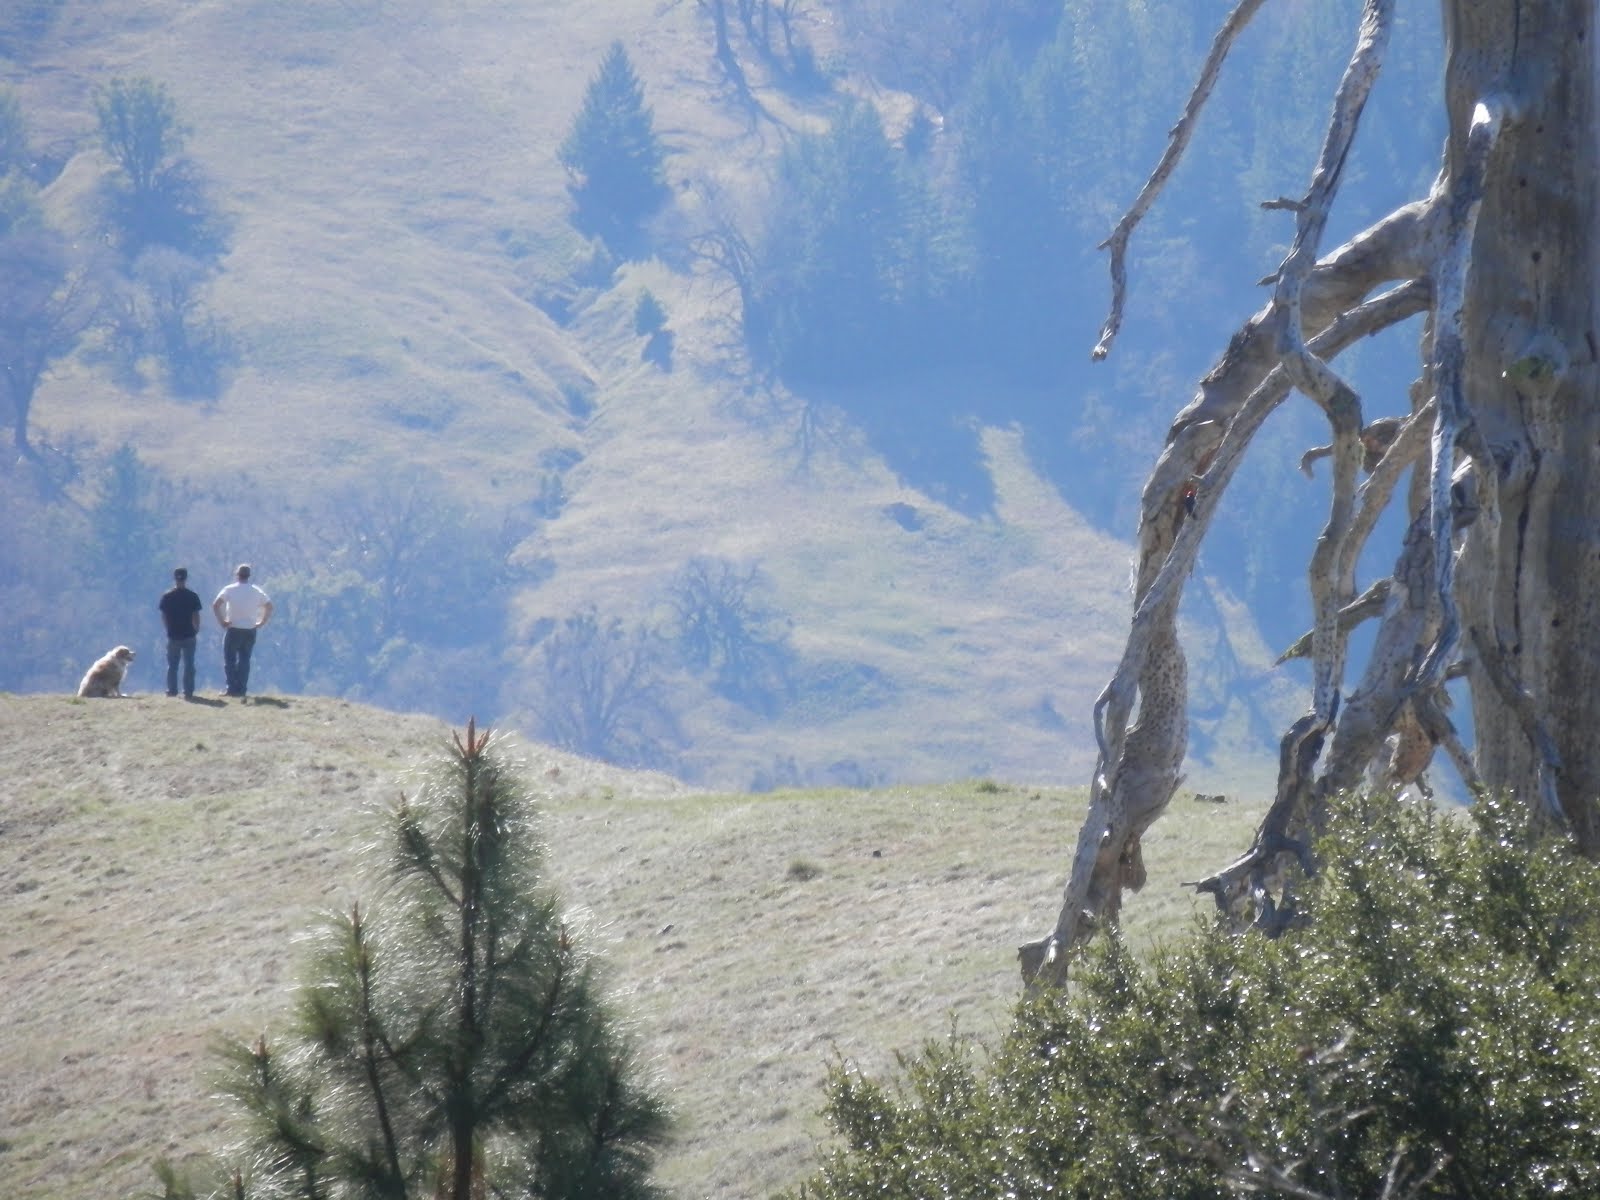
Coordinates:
x,y
1430,1032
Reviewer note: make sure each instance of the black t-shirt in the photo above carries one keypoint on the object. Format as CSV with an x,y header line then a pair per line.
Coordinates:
x,y
178,608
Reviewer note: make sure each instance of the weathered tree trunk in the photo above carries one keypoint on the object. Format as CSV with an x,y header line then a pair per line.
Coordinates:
x,y
1530,380
1498,579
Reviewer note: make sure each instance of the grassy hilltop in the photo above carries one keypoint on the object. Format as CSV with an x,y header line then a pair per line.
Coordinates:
x,y
158,859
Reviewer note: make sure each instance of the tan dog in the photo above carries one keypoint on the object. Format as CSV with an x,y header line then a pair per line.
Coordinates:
x,y
105,677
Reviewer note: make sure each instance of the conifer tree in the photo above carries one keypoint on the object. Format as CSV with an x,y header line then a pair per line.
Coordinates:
x,y
837,251
450,1041
614,156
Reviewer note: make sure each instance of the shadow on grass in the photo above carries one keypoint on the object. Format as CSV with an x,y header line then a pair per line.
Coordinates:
x,y
269,701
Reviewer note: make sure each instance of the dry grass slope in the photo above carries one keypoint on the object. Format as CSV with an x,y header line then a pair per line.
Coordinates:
x,y
158,858
389,172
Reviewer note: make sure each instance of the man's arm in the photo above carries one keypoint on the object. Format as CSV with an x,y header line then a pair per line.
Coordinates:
x,y
218,607
266,614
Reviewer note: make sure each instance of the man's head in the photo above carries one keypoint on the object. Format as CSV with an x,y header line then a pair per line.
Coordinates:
x,y
243,572
180,575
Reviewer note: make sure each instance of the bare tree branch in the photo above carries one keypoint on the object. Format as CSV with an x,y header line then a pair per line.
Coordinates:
x,y
1399,246
1363,608
1177,142
1403,452
1330,586
1429,708
1120,809
1509,440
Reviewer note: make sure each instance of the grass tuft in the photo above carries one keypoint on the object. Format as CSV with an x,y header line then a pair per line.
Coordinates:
x,y
802,871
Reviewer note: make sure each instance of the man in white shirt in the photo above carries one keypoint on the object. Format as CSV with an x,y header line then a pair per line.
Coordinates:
x,y
241,608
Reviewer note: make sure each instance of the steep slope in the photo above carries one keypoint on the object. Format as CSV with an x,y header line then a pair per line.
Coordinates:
x,y
158,859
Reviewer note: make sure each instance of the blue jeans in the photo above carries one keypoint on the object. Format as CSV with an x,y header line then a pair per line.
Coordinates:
x,y
236,647
180,648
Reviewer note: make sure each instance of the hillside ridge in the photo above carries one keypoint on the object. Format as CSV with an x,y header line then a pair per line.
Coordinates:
x,y
161,858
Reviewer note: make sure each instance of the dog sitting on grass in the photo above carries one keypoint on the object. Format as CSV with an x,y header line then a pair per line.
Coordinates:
x,y
105,677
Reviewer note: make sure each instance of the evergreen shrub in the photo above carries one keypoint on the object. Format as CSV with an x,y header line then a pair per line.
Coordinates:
x,y
1431,1031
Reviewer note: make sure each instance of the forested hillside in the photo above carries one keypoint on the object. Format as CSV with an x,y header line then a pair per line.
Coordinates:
x,y
697,386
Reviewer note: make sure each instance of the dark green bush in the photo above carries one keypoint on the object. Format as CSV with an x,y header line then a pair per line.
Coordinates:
x,y
1431,1032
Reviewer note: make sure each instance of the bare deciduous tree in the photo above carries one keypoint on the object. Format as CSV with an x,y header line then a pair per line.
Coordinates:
x,y
722,244
601,693
1498,577
726,627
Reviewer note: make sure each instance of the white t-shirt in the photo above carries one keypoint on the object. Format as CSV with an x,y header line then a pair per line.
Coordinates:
x,y
242,604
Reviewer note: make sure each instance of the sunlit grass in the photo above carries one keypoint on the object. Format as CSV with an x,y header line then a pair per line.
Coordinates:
x,y
159,860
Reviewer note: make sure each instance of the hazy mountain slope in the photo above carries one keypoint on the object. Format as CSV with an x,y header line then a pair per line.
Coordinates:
x,y
398,233
159,857
369,157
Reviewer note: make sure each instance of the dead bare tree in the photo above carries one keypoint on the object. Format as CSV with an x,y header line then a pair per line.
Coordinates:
x,y
1498,577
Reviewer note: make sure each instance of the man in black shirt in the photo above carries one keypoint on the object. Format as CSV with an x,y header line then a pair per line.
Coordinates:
x,y
180,612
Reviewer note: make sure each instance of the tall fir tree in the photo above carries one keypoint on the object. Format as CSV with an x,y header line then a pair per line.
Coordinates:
x,y
451,1042
616,160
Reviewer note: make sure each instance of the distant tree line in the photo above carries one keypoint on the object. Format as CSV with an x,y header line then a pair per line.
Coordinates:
x,y
393,595
956,233
950,233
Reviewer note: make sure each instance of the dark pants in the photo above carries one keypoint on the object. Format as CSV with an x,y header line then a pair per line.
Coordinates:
x,y
236,647
180,648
